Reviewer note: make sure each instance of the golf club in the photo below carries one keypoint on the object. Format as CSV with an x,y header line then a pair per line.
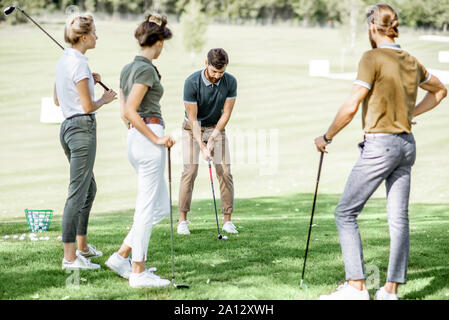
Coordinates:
x,y
11,9
220,236
177,286
302,285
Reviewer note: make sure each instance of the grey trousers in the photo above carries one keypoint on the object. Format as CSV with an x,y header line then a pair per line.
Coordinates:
x,y
386,157
78,138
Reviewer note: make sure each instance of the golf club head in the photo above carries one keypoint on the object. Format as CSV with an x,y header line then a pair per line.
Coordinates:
x,y
9,10
221,237
302,285
179,286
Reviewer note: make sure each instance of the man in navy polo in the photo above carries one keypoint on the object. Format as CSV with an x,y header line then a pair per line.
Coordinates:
x,y
209,97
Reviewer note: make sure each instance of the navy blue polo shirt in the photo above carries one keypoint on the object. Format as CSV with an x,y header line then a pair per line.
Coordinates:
x,y
209,97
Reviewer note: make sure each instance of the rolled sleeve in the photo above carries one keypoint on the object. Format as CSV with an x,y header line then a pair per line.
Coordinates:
x,y
81,72
423,74
232,92
145,76
190,92
366,73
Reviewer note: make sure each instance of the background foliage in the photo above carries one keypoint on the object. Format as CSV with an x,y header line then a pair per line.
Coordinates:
x,y
414,13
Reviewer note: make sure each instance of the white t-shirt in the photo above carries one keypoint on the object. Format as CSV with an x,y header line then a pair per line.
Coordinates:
x,y
71,68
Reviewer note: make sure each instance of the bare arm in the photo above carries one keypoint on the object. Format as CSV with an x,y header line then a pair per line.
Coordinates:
x,y
436,92
225,116
344,116
192,112
86,102
122,108
131,105
55,96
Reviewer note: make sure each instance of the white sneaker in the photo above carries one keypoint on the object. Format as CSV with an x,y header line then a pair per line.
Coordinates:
x,y
147,279
118,264
183,227
92,252
346,292
122,266
229,227
79,263
382,294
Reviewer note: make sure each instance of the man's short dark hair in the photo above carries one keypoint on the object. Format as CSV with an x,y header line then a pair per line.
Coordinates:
x,y
218,58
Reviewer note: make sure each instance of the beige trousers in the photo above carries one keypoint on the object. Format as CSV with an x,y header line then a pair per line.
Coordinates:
x,y
222,163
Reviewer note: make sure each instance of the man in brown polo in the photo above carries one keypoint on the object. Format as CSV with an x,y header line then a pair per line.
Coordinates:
x,y
209,97
387,83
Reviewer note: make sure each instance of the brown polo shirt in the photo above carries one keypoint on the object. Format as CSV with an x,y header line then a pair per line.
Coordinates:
x,y
393,76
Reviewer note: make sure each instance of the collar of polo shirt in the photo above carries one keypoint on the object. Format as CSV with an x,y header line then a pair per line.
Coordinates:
x,y
76,53
207,82
144,59
390,46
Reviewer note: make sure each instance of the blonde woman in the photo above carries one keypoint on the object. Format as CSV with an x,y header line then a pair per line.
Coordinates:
x,y
74,92
140,93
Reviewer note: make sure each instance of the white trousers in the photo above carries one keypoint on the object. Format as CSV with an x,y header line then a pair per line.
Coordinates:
x,y
153,203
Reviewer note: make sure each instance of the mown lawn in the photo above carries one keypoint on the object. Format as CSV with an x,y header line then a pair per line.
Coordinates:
x,y
263,262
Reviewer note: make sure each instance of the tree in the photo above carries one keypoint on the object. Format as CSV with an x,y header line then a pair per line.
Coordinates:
x,y
194,27
311,11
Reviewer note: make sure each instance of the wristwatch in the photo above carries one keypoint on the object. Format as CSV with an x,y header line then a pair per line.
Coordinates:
x,y
326,139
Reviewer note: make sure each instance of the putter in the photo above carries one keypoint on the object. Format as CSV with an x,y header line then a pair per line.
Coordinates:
x,y
177,286
11,9
302,285
220,236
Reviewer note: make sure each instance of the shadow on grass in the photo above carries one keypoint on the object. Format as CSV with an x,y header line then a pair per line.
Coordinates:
x,y
264,261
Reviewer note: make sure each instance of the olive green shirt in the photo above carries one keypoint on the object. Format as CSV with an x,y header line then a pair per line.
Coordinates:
x,y
393,76
142,71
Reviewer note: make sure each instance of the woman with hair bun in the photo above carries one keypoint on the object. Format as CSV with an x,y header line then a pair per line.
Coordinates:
x,y
74,92
140,93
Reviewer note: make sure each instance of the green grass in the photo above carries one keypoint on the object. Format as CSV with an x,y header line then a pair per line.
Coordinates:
x,y
263,261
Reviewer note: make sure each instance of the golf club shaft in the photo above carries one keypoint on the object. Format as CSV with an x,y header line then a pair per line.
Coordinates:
x,y
26,15
311,217
213,194
171,218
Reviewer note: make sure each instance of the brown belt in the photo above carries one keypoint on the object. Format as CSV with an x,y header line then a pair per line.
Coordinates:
x,y
150,120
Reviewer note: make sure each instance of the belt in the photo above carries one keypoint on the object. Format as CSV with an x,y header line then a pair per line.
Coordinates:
x,y
81,115
150,120
379,134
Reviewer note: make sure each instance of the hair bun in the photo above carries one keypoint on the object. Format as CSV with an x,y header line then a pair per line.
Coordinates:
x,y
384,18
394,23
156,18
152,29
